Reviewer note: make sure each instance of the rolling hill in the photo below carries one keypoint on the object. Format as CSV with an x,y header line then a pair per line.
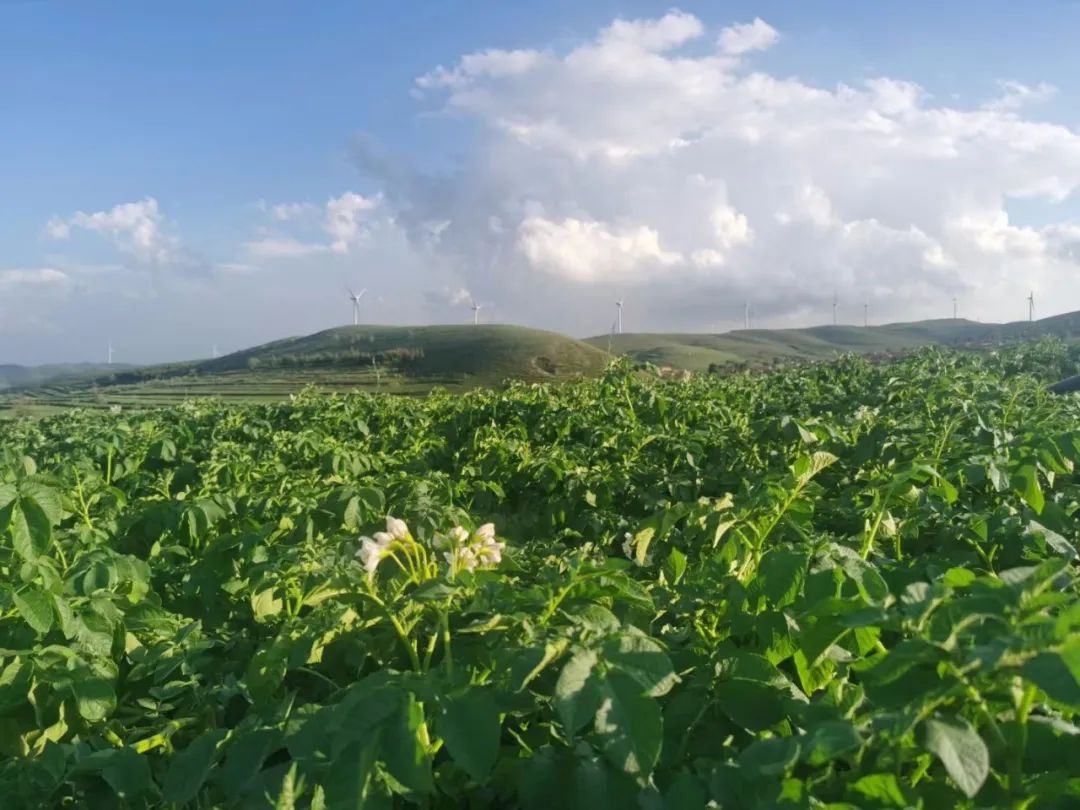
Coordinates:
x,y
14,376
697,352
402,360
414,360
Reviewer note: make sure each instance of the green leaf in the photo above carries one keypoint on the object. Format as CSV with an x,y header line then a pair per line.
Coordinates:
x,y
577,695
685,793
806,468
35,606
95,696
404,751
883,788
264,605
644,660
769,757
629,725
470,728
781,574
125,771
30,528
189,769
1057,673
1054,541
961,750
675,566
829,741
1026,483
244,759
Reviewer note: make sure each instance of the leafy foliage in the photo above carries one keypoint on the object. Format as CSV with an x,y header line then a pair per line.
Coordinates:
x,y
848,585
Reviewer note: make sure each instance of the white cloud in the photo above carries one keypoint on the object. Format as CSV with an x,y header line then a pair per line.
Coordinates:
x,y
1016,95
136,229
640,157
585,250
337,227
284,248
490,63
754,36
345,217
33,277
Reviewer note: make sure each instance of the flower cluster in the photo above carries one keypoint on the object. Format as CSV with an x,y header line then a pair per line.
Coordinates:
x,y
469,552
462,550
373,549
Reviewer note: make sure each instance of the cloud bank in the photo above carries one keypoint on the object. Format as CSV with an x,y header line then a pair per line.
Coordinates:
x,y
653,161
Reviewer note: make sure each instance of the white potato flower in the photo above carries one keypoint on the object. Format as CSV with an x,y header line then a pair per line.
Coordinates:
x,y
396,528
370,554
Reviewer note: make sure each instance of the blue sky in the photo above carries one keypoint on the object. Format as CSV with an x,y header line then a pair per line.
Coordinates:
x,y
210,108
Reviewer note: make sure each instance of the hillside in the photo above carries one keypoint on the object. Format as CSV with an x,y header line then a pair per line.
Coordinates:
x,y
401,360
15,376
698,352
484,354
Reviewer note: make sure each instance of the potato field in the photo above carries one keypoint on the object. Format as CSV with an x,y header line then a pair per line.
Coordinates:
x,y
845,585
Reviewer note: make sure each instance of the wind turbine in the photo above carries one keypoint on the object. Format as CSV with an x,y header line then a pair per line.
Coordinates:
x,y
110,352
835,301
618,316
1031,306
475,307
954,308
355,298
866,314
746,315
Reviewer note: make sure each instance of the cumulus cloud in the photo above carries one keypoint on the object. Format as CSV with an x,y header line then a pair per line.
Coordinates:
x,y
136,229
337,227
754,36
585,250
1016,95
645,160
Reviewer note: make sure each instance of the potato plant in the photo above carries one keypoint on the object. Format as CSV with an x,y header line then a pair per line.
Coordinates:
x,y
840,586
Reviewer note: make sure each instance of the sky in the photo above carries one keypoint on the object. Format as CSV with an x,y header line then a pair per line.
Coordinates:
x,y
179,176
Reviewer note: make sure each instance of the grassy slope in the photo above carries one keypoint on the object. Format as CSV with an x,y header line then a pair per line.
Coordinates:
x,y
698,351
485,354
13,376
454,357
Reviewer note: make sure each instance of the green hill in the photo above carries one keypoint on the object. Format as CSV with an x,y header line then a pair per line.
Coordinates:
x,y
15,376
486,354
401,360
698,352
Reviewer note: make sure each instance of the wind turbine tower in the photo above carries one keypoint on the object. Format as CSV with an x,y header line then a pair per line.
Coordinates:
x,y
866,314
618,316
355,298
746,316
1031,306
954,308
110,352
475,312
